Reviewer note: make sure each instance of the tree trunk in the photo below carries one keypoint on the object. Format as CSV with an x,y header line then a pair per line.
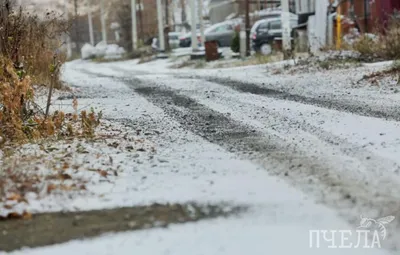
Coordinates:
x,y
141,35
77,34
183,14
166,30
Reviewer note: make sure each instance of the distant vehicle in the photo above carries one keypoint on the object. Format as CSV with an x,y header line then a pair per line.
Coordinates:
x,y
264,32
174,39
186,40
222,33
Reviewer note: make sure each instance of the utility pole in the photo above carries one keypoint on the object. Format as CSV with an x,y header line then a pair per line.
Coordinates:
x,y
160,26
77,34
172,15
140,20
285,20
242,38
193,25
183,13
103,21
202,37
166,26
247,27
90,20
366,15
68,38
134,27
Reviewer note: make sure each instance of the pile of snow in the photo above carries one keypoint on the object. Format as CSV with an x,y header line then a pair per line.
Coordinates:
x,y
102,50
88,51
114,51
354,35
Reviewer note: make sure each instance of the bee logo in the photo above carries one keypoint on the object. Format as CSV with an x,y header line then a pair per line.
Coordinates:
x,y
379,223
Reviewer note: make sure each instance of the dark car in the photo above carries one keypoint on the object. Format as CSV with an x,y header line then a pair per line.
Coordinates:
x,y
222,33
186,40
264,32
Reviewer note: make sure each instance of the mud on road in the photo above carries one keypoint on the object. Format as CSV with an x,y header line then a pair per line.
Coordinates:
x,y
52,228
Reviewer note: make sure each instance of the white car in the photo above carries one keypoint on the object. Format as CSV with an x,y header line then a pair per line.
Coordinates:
x,y
174,39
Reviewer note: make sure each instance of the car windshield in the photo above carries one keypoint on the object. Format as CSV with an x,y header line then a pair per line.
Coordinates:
x,y
218,28
189,34
276,24
263,25
257,25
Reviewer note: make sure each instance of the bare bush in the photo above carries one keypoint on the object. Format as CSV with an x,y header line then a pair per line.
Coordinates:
x,y
367,47
28,55
390,42
30,42
385,46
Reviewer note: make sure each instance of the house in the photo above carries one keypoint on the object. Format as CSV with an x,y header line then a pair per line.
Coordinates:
x,y
219,10
368,15
365,15
304,8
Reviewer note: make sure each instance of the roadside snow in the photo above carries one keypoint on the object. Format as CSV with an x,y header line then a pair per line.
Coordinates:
x,y
184,167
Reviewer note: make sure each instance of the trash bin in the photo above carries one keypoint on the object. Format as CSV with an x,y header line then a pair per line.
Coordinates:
x,y
211,50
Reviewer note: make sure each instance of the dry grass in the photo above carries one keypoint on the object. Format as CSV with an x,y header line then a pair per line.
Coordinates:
x,y
367,47
28,56
393,72
30,42
256,59
259,59
385,47
390,42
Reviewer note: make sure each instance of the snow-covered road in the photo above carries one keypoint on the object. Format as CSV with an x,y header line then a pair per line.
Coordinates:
x,y
304,152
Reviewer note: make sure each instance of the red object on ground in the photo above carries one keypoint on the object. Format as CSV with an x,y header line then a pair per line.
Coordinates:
x,y
211,50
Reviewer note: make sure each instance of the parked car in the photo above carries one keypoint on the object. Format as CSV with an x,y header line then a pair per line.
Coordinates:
x,y
173,39
222,33
264,32
186,40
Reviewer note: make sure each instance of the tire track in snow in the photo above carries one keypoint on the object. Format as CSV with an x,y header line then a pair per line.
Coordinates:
x,y
348,194
339,192
390,113
227,100
340,104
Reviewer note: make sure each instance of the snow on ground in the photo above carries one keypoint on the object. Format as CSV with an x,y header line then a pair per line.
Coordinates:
x,y
378,135
54,172
185,167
